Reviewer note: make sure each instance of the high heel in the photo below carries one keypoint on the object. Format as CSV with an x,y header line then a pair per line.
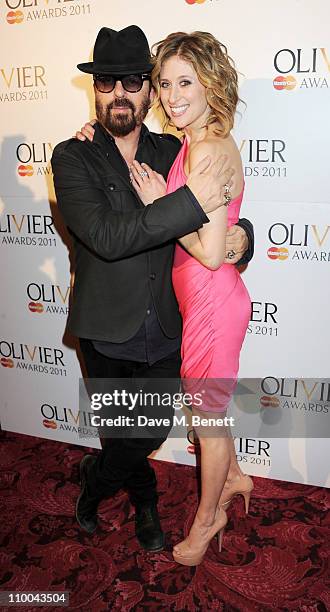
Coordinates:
x,y
192,557
220,536
241,486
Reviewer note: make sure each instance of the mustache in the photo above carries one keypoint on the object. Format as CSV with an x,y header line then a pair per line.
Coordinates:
x,y
122,103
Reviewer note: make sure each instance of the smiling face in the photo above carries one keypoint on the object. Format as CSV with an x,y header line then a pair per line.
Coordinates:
x,y
182,95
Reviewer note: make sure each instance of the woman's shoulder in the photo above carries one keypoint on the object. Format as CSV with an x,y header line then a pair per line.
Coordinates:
x,y
201,149
214,145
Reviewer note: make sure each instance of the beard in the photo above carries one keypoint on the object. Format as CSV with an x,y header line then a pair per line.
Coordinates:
x,y
122,124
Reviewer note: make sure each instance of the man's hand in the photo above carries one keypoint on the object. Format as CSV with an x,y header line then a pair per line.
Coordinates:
x,y
207,182
87,131
236,244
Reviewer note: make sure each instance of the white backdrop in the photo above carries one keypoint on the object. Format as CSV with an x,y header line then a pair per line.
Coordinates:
x,y
280,49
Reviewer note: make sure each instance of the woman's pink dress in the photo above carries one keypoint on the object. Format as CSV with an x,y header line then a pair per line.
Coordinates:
x,y
215,308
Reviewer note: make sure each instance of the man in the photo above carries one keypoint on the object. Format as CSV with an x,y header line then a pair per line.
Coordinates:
x,y
124,310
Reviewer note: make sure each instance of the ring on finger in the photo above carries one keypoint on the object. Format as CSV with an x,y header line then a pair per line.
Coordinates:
x,y
143,173
227,195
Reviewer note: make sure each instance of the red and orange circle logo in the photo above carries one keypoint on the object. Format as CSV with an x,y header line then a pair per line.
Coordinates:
x,y
15,17
269,401
49,424
280,253
6,362
284,82
25,170
35,307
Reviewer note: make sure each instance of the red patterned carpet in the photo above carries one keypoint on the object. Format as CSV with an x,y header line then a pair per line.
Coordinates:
x,y
273,559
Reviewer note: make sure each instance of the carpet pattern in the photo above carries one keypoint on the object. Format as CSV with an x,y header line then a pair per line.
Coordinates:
x,y
276,558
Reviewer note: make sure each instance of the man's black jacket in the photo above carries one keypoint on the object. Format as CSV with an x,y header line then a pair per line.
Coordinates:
x,y
123,249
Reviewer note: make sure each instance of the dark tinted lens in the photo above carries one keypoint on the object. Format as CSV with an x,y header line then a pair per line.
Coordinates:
x,y
104,84
132,83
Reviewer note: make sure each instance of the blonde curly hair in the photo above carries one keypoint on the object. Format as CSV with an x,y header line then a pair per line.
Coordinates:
x,y
214,68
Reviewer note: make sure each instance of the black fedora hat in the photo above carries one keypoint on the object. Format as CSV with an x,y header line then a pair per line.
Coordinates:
x,y
123,52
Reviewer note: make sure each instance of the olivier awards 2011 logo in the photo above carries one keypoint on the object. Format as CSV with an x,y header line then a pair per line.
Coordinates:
x,y
200,1
264,157
264,319
299,242
301,69
48,299
33,159
56,417
253,451
32,358
295,394
23,83
17,229
25,11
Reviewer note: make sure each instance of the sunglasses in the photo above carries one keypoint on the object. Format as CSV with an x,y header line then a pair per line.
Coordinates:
x,y
132,83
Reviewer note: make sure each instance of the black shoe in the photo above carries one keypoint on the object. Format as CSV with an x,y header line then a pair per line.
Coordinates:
x,y
147,528
86,507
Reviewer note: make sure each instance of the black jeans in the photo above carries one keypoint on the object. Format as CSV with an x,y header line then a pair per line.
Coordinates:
x,y
123,462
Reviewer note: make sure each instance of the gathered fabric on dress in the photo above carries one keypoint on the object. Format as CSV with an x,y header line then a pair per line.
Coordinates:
x,y
215,307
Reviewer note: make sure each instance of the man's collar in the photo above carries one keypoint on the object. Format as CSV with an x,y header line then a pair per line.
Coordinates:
x,y
145,133
102,135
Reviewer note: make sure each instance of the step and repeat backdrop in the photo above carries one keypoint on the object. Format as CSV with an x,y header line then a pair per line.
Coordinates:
x,y
282,52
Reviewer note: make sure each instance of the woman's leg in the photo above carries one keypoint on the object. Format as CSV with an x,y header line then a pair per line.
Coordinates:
x,y
234,469
215,462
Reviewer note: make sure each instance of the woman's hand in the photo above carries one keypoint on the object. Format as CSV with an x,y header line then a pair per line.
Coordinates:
x,y
148,184
87,131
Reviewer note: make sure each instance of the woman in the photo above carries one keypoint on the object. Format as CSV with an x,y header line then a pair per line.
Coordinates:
x,y
196,84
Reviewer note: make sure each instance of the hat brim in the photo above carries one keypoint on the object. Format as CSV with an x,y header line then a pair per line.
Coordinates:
x,y
95,68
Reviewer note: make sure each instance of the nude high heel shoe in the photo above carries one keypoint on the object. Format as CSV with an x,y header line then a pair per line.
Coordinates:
x,y
195,556
241,486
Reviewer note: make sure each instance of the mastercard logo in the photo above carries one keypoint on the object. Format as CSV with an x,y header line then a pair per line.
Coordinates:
x,y
25,170
49,424
15,17
280,253
35,307
269,401
6,363
287,82
195,1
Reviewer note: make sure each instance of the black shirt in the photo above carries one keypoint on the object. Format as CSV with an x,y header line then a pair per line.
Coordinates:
x,y
149,344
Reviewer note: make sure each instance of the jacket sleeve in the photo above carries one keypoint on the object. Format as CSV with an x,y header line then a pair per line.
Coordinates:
x,y
248,228
110,234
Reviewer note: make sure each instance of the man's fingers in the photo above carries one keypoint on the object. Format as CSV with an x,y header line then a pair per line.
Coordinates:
x,y
219,163
227,177
202,165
